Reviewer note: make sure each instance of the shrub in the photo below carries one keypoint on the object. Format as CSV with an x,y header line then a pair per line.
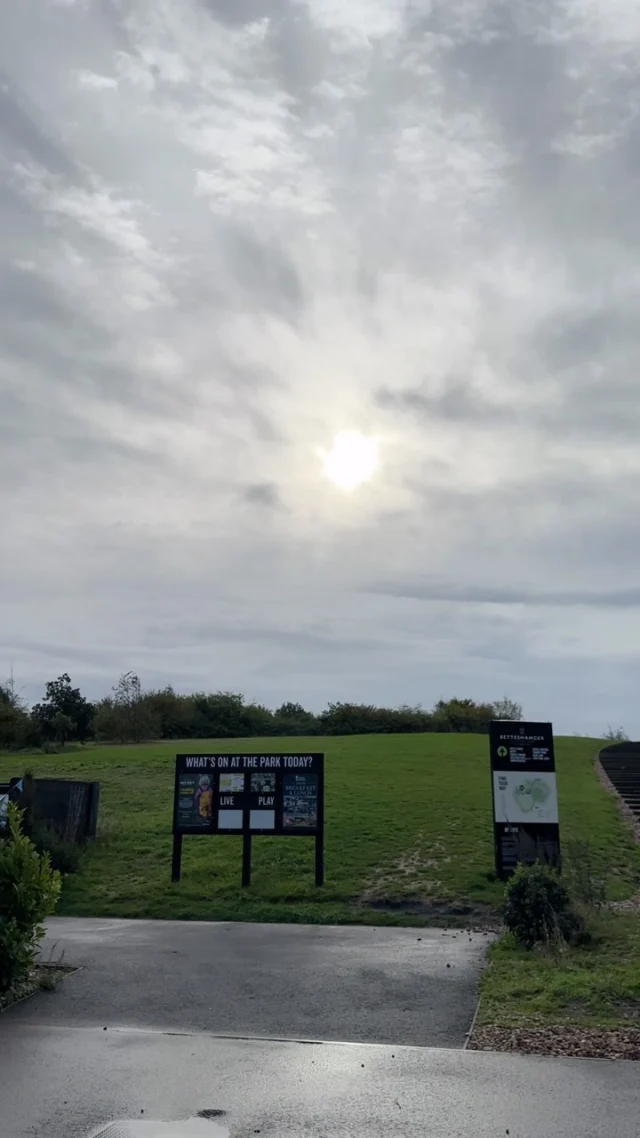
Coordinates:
x,y
64,854
538,907
616,735
29,890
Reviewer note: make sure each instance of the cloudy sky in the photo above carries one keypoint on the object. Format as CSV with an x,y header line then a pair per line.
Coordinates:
x,y
231,230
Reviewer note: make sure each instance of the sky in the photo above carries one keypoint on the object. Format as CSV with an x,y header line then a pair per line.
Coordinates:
x,y
231,230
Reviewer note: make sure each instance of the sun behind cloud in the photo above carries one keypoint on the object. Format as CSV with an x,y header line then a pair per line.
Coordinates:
x,y
352,460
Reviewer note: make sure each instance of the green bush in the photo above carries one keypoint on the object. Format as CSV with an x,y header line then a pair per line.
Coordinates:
x,y
50,748
64,854
29,890
538,909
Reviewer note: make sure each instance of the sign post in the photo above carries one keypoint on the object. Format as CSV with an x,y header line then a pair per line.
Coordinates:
x,y
524,795
277,795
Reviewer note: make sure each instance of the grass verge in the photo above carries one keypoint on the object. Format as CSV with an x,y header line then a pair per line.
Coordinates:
x,y
43,978
593,985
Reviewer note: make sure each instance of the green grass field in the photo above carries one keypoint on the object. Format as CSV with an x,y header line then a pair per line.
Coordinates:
x,y
408,834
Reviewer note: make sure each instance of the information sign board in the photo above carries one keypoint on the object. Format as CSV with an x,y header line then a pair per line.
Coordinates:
x,y
524,794
274,794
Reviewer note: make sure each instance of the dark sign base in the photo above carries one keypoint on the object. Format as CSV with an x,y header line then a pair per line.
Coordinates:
x,y
524,845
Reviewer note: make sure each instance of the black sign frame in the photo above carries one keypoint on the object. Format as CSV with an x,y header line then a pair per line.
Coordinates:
x,y
516,747
223,793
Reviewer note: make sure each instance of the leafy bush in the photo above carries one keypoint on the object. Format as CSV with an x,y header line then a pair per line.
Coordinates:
x,y
29,890
64,854
538,907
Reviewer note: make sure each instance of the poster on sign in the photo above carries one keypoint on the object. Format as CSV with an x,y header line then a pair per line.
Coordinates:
x,y
194,801
300,801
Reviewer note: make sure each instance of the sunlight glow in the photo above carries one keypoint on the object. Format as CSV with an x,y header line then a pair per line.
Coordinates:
x,y
352,460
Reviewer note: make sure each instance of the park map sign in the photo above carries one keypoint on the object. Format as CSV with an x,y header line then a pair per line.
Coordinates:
x,y
278,795
525,799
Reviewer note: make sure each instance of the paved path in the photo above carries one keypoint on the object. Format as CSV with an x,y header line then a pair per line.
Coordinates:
x,y
66,1082
144,1032
400,986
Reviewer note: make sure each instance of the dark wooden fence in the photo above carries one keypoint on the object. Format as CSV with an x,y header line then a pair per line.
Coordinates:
x,y
65,805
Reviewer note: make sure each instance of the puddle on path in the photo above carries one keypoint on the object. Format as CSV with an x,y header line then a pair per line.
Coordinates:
x,y
147,1128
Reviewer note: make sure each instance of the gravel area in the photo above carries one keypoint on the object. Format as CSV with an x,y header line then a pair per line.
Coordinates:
x,y
574,1042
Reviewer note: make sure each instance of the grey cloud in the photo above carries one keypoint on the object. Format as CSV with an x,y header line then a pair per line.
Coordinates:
x,y
23,136
93,657
238,12
25,295
508,595
501,73
584,402
264,272
567,340
457,402
300,639
436,245
301,53
263,494
265,427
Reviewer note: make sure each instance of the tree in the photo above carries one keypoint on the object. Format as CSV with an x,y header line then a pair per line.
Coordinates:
x,y
616,735
62,698
462,715
14,718
133,718
62,727
173,713
105,721
294,719
506,708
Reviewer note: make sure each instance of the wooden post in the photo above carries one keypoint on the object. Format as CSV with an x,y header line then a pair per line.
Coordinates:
x,y
320,856
176,859
246,858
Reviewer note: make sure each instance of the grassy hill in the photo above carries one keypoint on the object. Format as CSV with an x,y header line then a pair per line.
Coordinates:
x,y
408,833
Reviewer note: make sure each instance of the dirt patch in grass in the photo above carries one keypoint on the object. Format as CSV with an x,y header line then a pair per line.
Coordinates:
x,y
572,1042
411,875
477,916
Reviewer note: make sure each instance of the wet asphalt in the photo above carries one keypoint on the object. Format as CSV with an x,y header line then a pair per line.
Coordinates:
x,y
166,1020
62,1082
402,986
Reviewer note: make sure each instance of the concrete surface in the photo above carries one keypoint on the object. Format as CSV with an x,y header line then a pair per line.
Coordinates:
x,y
65,1082
285,981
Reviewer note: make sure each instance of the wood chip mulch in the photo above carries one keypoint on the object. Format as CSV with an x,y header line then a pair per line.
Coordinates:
x,y
570,1042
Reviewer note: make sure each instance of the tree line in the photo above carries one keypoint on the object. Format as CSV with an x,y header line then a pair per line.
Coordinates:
x,y
131,715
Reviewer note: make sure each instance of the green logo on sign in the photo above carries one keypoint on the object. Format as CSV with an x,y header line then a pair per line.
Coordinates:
x,y
502,751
